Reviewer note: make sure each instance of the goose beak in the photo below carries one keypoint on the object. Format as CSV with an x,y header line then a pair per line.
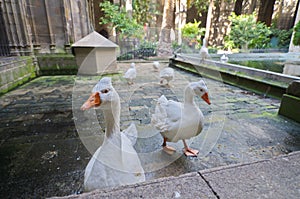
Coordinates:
x,y
93,101
205,98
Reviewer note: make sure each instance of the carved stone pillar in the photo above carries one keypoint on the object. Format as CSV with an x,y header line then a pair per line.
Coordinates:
x,y
51,34
31,20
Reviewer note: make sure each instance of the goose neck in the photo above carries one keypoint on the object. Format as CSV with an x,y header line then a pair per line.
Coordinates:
x,y
112,120
188,96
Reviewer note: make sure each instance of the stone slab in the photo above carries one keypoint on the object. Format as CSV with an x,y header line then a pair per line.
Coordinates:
x,y
273,178
186,186
277,177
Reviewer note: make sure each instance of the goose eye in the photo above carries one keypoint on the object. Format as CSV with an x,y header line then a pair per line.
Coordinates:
x,y
201,90
105,91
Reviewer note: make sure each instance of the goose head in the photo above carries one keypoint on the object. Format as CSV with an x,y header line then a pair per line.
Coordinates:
x,y
132,65
103,96
200,89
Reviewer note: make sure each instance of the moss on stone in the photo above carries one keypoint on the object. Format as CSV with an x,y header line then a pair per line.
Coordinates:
x,y
290,107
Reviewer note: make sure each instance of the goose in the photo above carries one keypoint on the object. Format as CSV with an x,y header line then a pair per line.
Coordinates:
x,y
156,65
224,58
130,74
204,50
180,121
115,162
166,74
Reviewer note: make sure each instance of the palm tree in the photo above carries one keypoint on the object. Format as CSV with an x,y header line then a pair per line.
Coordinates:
x,y
208,20
164,46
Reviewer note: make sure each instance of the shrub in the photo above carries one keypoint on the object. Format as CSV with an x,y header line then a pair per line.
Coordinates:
x,y
192,33
283,36
247,33
296,39
116,17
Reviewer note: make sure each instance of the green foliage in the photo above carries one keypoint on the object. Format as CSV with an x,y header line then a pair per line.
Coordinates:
x,y
283,36
192,32
247,33
268,65
148,44
296,39
144,11
201,5
175,45
117,17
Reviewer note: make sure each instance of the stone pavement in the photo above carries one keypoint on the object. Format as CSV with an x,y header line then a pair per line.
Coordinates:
x,y
43,153
277,177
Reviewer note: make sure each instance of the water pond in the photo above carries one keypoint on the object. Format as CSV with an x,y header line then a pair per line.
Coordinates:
x,y
268,65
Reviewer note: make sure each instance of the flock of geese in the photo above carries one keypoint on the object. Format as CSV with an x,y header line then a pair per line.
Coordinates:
x,y
166,74
116,162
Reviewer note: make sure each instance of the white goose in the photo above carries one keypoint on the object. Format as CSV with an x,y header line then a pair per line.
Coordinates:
x,y
116,161
166,74
180,121
130,74
224,58
156,65
204,50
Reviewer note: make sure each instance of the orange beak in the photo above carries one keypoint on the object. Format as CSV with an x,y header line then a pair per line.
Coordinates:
x,y
205,98
93,101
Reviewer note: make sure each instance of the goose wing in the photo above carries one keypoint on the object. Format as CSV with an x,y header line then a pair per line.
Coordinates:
x,y
166,72
167,114
131,133
130,73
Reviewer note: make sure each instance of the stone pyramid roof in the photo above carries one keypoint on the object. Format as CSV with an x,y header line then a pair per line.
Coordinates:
x,y
94,39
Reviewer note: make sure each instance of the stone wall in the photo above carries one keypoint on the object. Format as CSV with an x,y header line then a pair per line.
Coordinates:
x,y
15,71
43,26
57,64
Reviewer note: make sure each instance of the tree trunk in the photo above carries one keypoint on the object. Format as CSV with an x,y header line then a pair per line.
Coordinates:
x,y
128,7
296,12
157,24
180,17
252,6
238,7
265,11
279,14
164,48
208,20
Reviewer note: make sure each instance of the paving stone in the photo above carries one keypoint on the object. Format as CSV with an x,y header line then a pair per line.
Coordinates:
x,y
240,127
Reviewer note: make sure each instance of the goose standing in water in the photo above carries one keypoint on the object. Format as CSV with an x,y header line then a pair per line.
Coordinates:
x,y
116,162
181,121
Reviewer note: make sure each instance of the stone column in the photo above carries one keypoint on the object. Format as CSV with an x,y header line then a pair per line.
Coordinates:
x,y
9,19
51,35
32,24
26,30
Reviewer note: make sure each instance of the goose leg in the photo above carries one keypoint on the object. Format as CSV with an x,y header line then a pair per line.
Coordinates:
x,y
168,149
189,151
